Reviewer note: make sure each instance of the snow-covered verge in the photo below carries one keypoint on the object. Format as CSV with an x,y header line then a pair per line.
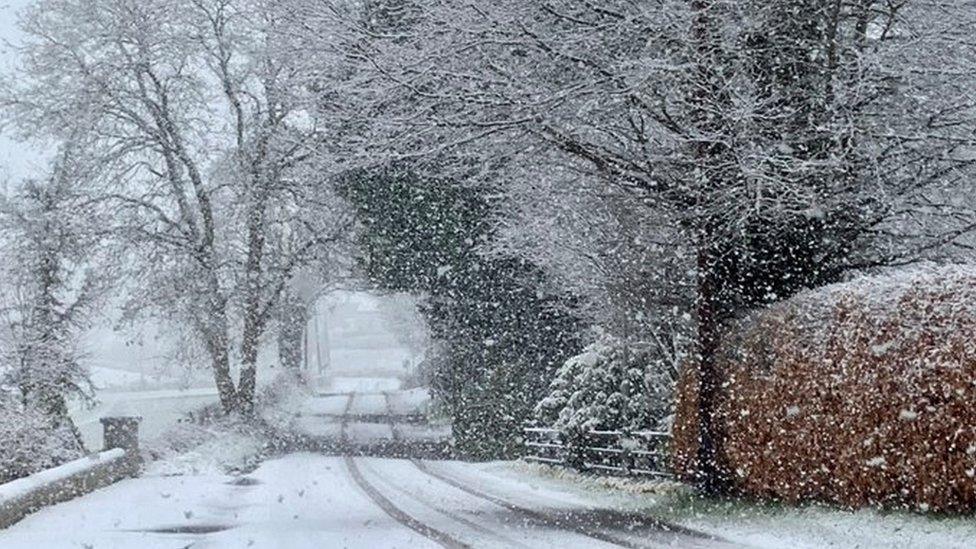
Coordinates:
x,y
217,444
23,496
217,447
213,444
24,486
739,521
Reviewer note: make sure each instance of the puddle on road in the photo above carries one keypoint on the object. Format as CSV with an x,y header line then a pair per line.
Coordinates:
x,y
189,529
244,481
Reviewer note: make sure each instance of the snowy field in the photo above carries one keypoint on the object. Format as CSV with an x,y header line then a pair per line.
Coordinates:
x,y
159,410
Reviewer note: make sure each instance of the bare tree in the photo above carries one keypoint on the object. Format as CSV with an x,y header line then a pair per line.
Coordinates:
x,y
199,119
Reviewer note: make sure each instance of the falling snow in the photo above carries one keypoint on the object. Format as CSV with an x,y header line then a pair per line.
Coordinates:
x,y
532,273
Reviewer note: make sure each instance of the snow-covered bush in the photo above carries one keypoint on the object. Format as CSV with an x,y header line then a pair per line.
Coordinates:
x,y
29,441
859,393
609,386
209,441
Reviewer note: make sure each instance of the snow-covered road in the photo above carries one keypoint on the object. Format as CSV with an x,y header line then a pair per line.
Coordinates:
x,y
313,501
348,500
388,424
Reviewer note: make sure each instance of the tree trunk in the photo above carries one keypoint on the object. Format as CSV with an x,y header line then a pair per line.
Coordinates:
x,y
220,364
291,334
213,325
247,385
706,99
55,407
63,419
709,474
254,321
323,361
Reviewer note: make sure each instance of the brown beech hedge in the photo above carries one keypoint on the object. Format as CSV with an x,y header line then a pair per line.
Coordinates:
x,y
859,393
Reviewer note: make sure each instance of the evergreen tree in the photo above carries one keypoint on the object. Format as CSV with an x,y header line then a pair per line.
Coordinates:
x,y
502,334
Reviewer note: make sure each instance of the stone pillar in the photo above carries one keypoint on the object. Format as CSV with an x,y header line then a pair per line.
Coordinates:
x,y
123,432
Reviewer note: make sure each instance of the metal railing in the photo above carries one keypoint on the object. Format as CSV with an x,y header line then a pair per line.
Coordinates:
x,y
640,453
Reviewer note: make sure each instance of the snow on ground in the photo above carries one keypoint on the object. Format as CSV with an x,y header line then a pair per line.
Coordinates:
x,y
390,415
298,501
366,433
361,384
188,498
470,519
316,427
755,525
424,432
219,451
378,362
329,404
397,402
410,401
368,404
303,501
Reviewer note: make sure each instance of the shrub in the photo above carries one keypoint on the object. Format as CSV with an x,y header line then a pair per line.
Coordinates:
x,y
29,442
608,386
859,393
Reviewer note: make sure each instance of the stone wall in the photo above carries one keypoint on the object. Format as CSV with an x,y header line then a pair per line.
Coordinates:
x,y
118,461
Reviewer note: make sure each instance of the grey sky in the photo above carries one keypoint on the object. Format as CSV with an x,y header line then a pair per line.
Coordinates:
x,y
17,160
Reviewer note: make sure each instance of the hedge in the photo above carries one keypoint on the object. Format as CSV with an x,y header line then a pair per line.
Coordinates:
x,y
859,393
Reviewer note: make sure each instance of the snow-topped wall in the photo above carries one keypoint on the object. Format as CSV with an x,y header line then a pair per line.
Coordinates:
x,y
121,459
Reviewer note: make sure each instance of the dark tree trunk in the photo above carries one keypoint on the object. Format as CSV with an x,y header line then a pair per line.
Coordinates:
x,y
220,364
61,417
247,385
706,100
254,315
709,320
291,334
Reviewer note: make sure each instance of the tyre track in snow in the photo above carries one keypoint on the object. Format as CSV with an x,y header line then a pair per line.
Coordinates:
x,y
559,522
481,529
528,514
436,535
391,419
397,514
381,501
345,418
663,534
